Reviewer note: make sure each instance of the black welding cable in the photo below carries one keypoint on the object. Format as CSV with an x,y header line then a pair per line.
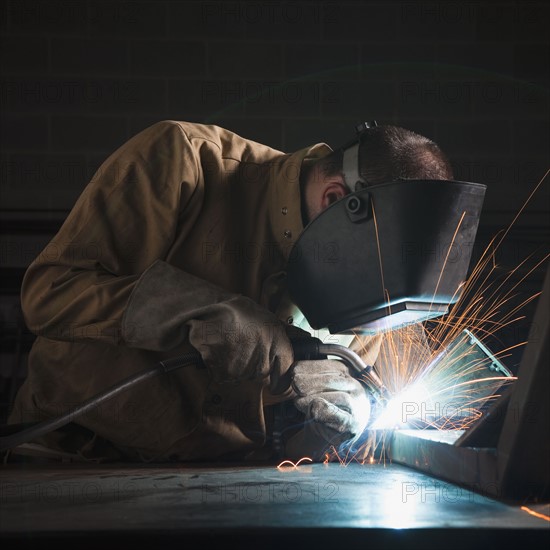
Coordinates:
x,y
309,348
42,428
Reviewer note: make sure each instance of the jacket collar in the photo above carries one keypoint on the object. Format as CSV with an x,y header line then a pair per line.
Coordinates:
x,y
285,204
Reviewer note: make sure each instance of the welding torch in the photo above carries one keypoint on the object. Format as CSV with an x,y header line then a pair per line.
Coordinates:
x,y
313,348
304,349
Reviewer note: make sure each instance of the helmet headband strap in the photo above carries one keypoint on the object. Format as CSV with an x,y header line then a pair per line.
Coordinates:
x,y
351,162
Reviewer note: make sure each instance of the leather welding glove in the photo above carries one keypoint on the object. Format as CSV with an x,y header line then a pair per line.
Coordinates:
x,y
335,403
236,337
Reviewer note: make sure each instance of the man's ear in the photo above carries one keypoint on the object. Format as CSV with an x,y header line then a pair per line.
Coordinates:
x,y
334,190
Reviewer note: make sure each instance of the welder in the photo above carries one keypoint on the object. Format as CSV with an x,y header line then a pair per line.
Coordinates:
x,y
181,242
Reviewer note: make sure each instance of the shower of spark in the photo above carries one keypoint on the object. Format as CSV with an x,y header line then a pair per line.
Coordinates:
x,y
439,374
535,513
293,465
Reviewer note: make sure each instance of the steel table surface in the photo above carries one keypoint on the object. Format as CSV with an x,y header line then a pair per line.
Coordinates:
x,y
256,505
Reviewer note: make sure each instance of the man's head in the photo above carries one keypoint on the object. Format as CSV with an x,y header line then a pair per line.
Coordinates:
x,y
387,153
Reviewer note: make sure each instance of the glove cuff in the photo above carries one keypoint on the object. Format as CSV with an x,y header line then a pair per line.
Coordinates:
x,y
163,299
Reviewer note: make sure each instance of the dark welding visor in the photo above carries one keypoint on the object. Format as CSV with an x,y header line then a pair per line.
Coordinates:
x,y
386,255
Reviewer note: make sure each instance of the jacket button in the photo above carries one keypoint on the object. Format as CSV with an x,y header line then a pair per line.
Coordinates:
x,y
290,320
288,234
284,210
216,399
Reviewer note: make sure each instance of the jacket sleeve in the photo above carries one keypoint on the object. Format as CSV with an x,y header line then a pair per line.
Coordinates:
x,y
126,218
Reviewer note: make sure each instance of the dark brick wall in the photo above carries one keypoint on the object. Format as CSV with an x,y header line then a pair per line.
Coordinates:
x,y
78,78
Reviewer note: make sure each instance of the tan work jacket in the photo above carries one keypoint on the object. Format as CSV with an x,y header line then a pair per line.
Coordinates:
x,y
195,197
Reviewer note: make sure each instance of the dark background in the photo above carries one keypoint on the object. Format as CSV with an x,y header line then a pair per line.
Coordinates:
x,y
80,78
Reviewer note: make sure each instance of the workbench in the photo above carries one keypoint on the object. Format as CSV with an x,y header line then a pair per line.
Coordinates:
x,y
255,505
406,498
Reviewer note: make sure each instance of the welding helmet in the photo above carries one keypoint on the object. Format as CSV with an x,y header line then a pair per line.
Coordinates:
x,y
385,255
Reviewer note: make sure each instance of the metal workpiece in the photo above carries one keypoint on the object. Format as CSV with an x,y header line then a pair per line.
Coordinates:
x,y
304,506
506,453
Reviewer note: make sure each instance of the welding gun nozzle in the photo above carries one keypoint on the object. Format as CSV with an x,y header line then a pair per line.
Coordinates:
x,y
364,373
375,384
313,348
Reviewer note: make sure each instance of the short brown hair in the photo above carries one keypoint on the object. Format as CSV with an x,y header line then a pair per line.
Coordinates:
x,y
390,152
